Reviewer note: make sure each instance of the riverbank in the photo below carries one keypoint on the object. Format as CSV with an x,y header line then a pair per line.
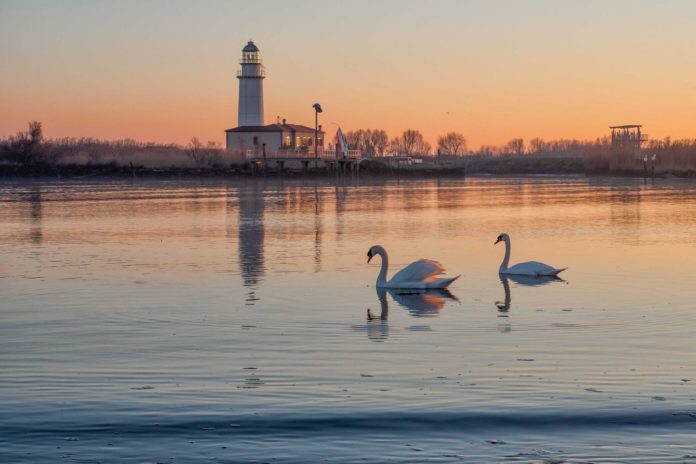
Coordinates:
x,y
115,170
366,168
427,167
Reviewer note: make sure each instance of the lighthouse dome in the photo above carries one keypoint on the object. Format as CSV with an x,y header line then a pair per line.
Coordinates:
x,y
250,47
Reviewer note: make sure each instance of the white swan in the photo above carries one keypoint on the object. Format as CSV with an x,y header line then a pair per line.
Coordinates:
x,y
529,268
421,274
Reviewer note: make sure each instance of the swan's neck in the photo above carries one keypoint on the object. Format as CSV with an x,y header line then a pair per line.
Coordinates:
x,y
506,259
382,277
382,295
506,287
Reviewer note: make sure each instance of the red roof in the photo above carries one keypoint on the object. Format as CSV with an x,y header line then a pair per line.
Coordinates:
x,y
274,128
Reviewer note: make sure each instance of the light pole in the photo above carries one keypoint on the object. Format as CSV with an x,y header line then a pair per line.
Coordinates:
x,y
317,110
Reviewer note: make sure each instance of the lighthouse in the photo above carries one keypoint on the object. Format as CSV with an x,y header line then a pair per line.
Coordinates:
x,y
251,136
250,87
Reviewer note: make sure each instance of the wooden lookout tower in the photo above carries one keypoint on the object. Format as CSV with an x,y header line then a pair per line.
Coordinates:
x,y
628,136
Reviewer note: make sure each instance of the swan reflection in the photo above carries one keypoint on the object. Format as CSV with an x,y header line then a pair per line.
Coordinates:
x,y
419,303
527,281
377,324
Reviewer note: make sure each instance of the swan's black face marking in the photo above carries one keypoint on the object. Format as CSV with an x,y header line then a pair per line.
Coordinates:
x,y
500,239
369,255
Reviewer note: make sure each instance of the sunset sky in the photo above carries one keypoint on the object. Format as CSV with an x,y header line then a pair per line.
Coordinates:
x,y
164,71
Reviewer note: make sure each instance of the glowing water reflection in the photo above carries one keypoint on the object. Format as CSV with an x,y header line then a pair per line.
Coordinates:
x,y
180,320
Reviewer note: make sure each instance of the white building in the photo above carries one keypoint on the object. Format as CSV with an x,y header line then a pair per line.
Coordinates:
x,y
275,137
251,133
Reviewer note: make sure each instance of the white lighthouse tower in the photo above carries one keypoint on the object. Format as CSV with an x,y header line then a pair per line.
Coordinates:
x,y
250,87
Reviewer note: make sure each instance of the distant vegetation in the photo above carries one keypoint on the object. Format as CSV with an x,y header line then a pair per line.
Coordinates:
x,y
676,158
29,152
372,143
452,143
564,155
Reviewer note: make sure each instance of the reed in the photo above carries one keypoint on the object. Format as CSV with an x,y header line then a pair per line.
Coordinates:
x,y
126,152
677,158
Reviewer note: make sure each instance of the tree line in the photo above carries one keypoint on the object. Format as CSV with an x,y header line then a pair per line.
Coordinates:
x,y
376,143
31,148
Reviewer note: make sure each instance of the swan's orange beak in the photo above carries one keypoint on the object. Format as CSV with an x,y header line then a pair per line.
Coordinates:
x,y
369,255
496,242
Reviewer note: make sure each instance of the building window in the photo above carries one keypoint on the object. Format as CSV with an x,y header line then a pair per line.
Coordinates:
x,y
256,141
287,143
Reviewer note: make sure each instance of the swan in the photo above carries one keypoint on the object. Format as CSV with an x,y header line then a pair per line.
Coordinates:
x,y
420,274
529,268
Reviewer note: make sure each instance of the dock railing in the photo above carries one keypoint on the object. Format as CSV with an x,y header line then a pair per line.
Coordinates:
x,y
302,154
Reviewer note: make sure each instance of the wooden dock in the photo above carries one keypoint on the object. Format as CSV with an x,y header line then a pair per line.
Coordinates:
x,y
289,161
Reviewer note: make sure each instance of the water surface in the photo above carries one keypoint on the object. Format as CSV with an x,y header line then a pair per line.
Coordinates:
x,y
227,321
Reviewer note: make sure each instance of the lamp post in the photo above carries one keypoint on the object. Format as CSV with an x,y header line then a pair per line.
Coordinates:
x,y
317,110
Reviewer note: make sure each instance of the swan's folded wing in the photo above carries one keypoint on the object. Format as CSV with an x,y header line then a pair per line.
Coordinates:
x,y
422,270
533,268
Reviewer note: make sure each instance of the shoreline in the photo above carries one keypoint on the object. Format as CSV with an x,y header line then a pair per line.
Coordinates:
x,y
496,167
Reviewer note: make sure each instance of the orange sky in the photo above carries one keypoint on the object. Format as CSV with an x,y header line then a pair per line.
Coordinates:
x,y
165,71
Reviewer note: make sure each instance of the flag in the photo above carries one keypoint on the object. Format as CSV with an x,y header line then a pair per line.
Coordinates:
x,y
341,143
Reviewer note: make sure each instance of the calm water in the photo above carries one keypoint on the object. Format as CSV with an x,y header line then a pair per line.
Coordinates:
x,y
181,321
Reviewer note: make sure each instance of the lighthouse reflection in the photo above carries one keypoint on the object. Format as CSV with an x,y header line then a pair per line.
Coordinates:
x,y
251,238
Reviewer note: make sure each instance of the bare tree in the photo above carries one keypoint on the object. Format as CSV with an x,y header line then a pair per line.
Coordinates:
x,y
35,132
394,146
379,142
489,150
537,145
197,152
369,142
25,147
368,148
452,143
515,146
410,143
357,140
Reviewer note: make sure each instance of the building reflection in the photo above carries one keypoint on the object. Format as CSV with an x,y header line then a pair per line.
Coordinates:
x,y
624,210
251,237
317,230
341,198
35,215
